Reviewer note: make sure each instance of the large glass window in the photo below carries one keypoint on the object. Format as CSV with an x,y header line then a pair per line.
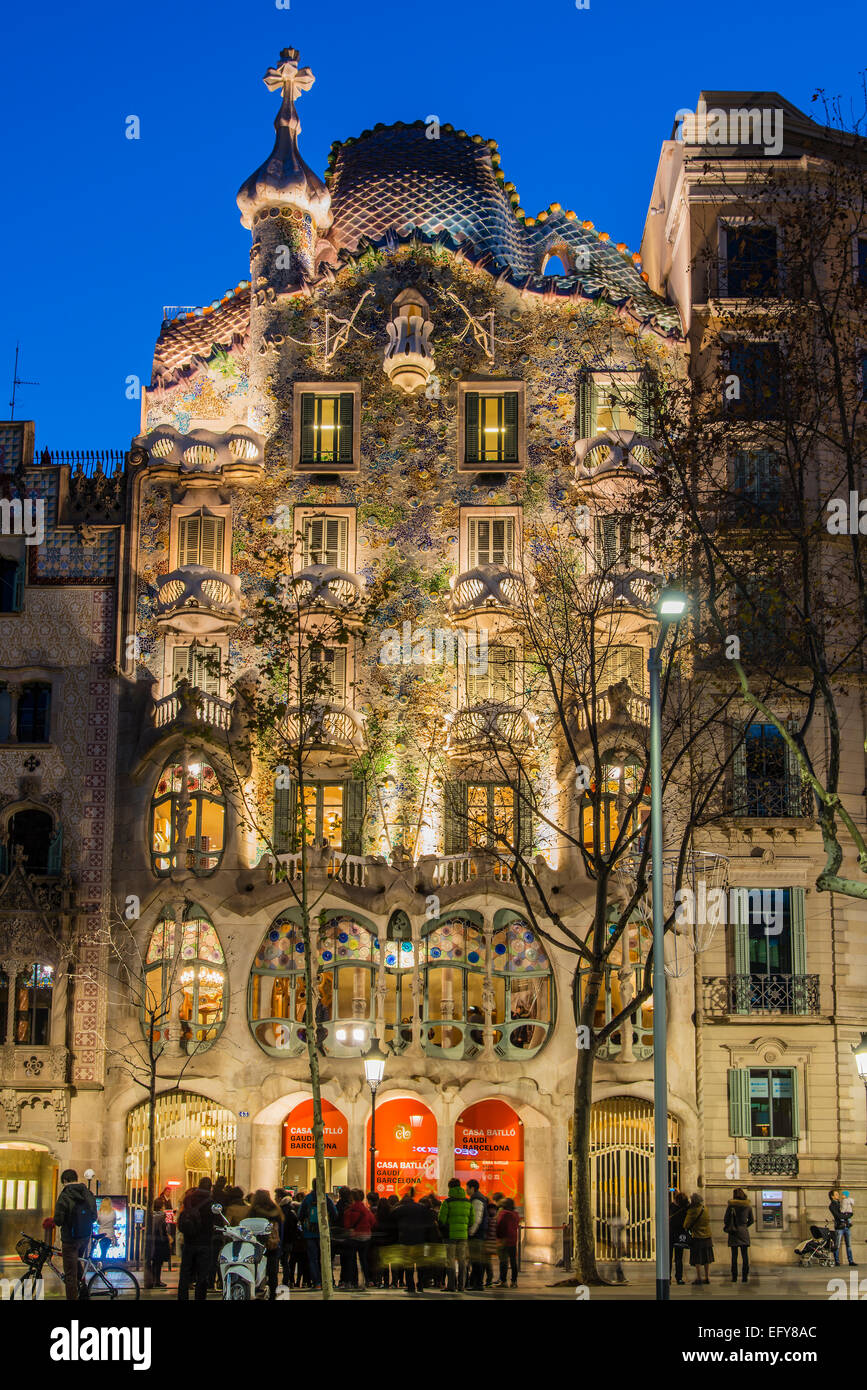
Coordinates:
x,y
616,405
11,585
345,966
766,776
772,1096
751,388
34,832
620,797
490,814
33,993
751,259
622,978
187,992
188,811
34,712
326,428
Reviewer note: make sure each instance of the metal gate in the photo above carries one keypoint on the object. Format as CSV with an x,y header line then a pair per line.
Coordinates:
x,y
621,1173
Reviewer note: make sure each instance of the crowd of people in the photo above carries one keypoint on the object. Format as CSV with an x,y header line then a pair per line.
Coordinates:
x,y
377,1242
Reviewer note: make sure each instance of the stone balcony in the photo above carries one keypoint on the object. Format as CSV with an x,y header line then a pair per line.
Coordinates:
x,y
629,588
324,589
201,458
189,707
490,724
487,589
197,600
618,707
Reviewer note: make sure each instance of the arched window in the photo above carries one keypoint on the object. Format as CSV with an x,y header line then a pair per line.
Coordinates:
x,y
33,830
621,796
188,800
31,1001
622,977
523,1003
345,966
553,265
399,961
188,992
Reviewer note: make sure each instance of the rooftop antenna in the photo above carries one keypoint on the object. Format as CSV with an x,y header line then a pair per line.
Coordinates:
x,y
16,382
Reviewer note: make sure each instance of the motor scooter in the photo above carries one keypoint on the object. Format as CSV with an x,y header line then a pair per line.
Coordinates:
x,y
243,1263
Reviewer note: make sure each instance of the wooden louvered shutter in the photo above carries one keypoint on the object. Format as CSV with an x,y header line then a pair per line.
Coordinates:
x,y
471,430
188,540
798,947
476,530
315,547
308,432
644,412
212,542
586,408
795,789
354,799
525,818
285,816
345,419
510,423
181,665
740,1126
455,817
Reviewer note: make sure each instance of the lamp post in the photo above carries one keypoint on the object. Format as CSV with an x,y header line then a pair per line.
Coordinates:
x,y
374,1067
860,1054
670,609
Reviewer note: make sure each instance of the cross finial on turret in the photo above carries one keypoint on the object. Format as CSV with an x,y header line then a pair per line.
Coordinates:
x,y
285,178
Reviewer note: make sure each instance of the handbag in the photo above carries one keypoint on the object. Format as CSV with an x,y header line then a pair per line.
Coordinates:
x,y
682,1239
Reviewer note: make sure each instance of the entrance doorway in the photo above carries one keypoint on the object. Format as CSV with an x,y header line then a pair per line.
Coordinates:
x,y
298,1163
621,1173
28,1188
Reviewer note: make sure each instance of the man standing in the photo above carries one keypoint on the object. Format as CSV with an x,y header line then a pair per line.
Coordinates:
x,y
477,1232
842,1224
455,1217
308,1217
74,1213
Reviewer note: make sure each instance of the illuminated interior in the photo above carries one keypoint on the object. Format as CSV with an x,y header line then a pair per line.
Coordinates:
x,y
205,824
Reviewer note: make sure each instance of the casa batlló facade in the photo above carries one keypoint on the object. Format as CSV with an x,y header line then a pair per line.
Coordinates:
x,y
410,384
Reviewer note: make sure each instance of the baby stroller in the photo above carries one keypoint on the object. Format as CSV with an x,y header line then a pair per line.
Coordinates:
x,y
819,1249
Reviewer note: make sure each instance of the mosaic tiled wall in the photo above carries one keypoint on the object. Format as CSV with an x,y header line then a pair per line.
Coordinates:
x,y
63,558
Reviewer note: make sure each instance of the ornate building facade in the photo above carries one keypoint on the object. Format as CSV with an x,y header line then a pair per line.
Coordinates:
x,y
410,383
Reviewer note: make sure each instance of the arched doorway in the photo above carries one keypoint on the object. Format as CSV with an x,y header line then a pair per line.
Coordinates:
x,y
28,1188
489,1146
194,1137
621,1172
297,1162
406,1147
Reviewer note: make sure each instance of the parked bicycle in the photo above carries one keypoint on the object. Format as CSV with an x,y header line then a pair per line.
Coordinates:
x,y
100,1280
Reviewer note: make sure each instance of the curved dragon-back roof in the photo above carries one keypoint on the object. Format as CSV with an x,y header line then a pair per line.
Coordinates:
x,y
396,180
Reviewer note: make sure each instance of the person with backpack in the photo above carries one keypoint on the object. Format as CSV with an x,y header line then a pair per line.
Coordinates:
x,y
308,1217
196,1225
74,1213
263,1207
478,1225
455,1218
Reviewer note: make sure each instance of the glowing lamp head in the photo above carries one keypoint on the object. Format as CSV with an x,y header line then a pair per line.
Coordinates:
x,y
672,604
374,1065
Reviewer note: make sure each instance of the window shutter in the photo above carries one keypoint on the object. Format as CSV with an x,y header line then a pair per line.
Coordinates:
x,y
455,817
586,408
739,774
345,401
798,946
55,851
475,534
308,434
188,540
212,542
354,798
796,1105
315,546
181,664
18,589
644,412
471,427
510,422
285,812
739,1103
524,808
508,546
335,542
207,670
795,799
741,939
337,667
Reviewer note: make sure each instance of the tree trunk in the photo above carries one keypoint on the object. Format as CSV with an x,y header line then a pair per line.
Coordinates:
x,y
318,1125
151,1182
583,1233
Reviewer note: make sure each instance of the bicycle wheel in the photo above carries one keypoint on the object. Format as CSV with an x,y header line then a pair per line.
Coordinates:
x,y
112,1283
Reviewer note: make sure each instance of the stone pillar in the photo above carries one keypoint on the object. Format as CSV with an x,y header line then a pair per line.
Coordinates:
x,y
264,1150
244,1142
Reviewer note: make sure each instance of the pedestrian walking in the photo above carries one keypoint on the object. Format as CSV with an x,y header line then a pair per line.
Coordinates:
x,y
842,1224
508,1222
196,1225
736,1223
308,1216
414,1225
74,1213
341,1243
359,1222
697,1223
385,1242
263,1207
478,1224
160,1245
455,1219
678,1238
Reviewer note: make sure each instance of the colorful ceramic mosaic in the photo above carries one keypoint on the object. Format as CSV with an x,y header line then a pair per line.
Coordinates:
x,y
517,949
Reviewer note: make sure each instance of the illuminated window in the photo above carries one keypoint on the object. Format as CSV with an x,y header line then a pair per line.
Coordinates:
x,y
345,966
491,428
188,797
326,429
201,540
497,682
624,972
198,665
490,813
186,992
621,797
31,1004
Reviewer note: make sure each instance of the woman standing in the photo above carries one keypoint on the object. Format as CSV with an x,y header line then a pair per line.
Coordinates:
x,y
677,1237
697,1223
737,1221
160,1241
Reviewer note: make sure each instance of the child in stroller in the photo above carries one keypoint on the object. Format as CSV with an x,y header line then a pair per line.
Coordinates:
x,y
819,1249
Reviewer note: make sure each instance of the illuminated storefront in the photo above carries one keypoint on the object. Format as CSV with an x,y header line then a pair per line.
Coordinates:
x,y
298,1167
489,1146
406,1147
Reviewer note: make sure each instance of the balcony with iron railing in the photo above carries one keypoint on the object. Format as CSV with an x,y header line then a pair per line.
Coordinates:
x,y
488,589
725,995
614,451
774,1158
327,590
489,724
783,797
198,600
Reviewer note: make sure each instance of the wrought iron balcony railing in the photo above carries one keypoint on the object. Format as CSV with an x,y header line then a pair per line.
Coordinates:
x,y
490,723
761,994
487,587
768,798
196,599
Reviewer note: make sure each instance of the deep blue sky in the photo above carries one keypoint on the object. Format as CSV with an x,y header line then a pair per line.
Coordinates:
x,y
100,232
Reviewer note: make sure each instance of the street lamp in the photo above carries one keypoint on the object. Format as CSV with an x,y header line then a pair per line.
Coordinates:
x,y
374,1068
670,609
860,1055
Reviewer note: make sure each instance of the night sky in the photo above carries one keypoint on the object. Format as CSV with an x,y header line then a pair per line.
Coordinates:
x,y
99,232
